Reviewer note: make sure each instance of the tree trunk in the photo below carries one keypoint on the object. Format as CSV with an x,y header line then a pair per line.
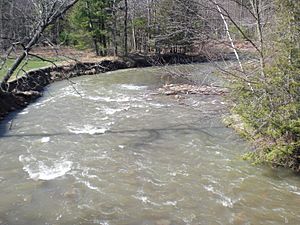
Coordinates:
x,y
149,22
1,28
229,36
23,55
103,37
34,40
126,28
114,30
257,9
91,28
134,38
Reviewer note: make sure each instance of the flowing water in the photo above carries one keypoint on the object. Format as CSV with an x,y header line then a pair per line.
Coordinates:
x,y
106,151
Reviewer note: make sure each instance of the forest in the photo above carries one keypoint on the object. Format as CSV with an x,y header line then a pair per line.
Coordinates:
x,y
263,36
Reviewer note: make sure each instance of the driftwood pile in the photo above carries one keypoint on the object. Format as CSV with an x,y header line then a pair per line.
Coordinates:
x,y
185,89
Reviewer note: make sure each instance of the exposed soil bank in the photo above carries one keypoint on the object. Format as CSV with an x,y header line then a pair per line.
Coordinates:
x,y
28,88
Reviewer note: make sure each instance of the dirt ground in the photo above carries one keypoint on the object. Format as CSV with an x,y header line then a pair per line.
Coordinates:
x,y
68,54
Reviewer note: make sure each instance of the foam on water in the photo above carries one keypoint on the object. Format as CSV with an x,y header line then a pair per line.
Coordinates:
x,y
117,99
170,203
71,90
155,161
110,111
223,199
87,129
45,139
90,186
24,112
39,170
132,87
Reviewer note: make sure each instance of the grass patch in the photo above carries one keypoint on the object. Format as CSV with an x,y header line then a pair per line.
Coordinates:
x,y
32,63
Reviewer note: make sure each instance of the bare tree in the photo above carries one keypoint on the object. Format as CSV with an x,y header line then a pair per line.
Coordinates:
x,y
46,13
126,28
114,28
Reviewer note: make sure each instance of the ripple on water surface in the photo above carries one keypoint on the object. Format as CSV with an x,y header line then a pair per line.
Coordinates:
x,y
115,154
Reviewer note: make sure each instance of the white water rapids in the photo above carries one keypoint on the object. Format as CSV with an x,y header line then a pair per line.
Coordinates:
x,y
118,155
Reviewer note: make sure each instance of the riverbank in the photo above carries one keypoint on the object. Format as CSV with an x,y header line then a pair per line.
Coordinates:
x,y
26,89
124,151
274,153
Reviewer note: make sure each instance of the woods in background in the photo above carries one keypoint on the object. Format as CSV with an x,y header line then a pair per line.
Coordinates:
x,y
116,27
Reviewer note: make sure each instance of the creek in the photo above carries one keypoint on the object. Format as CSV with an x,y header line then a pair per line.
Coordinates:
x,y
105,150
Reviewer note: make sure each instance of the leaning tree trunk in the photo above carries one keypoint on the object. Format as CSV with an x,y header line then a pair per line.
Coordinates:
x,y
53,15
229,36
23,55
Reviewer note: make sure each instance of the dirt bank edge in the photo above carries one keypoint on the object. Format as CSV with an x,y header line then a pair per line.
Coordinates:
x,y
28,88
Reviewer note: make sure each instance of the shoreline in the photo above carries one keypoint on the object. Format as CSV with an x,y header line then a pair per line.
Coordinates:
x,y
28,88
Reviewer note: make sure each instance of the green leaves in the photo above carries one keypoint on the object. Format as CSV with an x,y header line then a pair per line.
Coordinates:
x,y
272,106
89,24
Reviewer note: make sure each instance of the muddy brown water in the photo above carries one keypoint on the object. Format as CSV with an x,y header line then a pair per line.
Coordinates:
x,y
118,155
